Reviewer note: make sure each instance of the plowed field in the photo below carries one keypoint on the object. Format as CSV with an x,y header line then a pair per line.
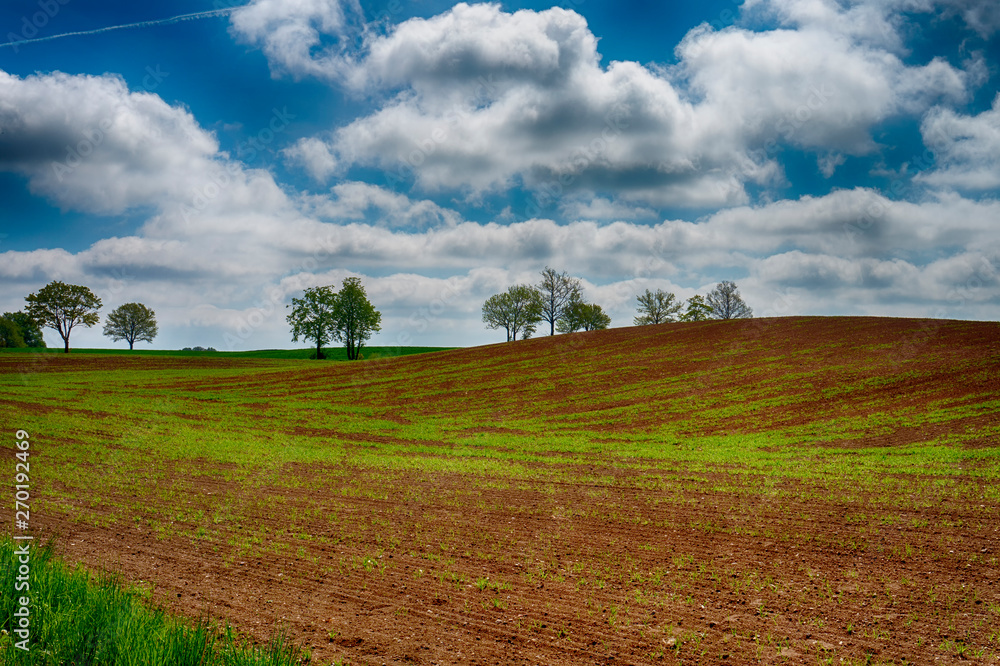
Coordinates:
x,y
795,490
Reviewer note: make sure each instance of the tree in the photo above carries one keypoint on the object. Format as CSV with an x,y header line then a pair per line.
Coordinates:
x,y
62,306
518,310
726,303
697,309
10,334
28,328
313,317
558,291
656,307
131,322
585,316
355,318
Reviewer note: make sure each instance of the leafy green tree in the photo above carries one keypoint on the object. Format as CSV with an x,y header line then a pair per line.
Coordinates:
x,y
10,334
593,317
583,316
313,317
518,310
355,318
62,307
697,309
131,322
558,291
726,303
28,327
656,307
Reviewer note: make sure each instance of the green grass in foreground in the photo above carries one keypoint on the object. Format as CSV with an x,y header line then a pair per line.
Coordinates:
x,y
76,618
332,353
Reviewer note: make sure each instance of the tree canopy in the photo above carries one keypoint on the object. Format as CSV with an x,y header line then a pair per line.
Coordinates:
x,y
10,334
583,316
558,291
656,307
323,315
726,303
697,309
518,310
131,322
28,328
313,317
62,307
355,318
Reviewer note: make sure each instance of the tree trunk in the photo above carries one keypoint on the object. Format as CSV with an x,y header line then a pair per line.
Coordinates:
x,y
130,344
319,352
66,340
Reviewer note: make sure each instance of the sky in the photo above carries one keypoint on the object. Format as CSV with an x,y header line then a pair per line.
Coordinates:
x,y
213,159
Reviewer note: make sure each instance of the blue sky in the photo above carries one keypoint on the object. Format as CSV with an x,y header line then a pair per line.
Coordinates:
x,y
830,157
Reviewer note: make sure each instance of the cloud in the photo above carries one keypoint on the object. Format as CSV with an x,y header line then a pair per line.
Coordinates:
x,y
966,149
478,100
588,207
983,16
295,34
36,265
875,22
809,88
489,100
313,154
821,274
355,200
829,162
88,143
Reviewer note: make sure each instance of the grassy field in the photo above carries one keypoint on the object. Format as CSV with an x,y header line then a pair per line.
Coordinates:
x,y
824,490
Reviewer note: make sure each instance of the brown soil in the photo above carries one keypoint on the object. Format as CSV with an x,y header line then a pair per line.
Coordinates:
x,y
743,578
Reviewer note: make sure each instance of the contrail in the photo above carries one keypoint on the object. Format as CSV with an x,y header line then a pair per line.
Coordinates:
x,y
140,24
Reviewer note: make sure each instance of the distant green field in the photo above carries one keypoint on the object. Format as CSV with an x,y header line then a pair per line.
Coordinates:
x,y
332,353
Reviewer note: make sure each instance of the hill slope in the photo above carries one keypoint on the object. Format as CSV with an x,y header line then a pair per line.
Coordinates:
x,y
792,490
849,379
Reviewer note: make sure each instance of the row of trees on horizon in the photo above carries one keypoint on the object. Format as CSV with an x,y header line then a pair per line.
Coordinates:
x,y
558,300
324,314
63,307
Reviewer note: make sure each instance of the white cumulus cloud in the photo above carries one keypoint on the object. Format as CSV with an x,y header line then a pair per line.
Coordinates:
x,y
89,143
966,149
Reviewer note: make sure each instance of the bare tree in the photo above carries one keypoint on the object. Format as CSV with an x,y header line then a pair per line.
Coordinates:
x,y
656,307
725,302
558,290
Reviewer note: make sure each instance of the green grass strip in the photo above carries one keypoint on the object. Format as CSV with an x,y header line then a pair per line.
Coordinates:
x,y
78,618
332,353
